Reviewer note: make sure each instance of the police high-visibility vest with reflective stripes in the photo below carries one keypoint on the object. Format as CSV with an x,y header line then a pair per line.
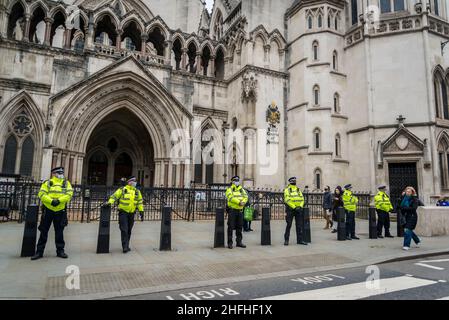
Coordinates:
x,y
293,197
55,189
382,202
129,199
350,201
235,195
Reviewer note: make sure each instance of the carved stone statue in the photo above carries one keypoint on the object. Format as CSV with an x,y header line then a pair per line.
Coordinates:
x,y
18,30
249,87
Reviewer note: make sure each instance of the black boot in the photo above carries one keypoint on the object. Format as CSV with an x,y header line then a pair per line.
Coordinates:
x,y
230,246
62,255
37,256
241,245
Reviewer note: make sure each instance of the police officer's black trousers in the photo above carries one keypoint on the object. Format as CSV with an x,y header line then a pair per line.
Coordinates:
x,y
350,224
58,219
383,221
296,214
126,223
235,222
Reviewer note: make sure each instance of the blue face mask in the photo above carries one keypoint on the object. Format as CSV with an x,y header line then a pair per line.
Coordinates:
x,y
60,176
236,183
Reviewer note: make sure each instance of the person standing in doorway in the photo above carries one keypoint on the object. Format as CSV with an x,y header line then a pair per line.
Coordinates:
x,y
54,194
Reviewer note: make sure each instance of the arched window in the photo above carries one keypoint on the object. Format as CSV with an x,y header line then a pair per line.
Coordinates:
x,y
337,146
218,26
16,23
320,21
58,33
317,139
26,158
316,95
337,103
444,99
318,179
10,156
132,37
192,50
105,32
37,26
219,65
443,155
335,61
205,59
315,48
177,54
310,22
336,22
156,40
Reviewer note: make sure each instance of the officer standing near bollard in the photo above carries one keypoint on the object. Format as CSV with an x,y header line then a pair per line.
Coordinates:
x,y
129,199
237,199
54,194
294,204
383,208
350,204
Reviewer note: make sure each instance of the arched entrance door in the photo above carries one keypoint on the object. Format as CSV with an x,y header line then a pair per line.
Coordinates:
x,y
128,150
98,169
123,167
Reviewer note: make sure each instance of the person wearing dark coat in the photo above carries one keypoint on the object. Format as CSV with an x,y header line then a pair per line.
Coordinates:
x,y
337,202
409,204
327,208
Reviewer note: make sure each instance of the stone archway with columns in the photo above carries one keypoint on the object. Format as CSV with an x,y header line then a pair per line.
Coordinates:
x,y
125,86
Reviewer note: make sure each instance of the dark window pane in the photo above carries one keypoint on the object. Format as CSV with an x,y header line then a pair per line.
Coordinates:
x,y
318,181
442,173
9,159
437,105
444,97
26,159
436,8
310,22
385,6
354,12
399,5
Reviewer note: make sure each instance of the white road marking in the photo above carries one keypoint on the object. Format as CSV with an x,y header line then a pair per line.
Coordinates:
x,y
425,265
355,290
447,298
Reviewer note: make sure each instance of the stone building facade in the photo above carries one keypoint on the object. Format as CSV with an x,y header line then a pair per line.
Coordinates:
x,y
332,91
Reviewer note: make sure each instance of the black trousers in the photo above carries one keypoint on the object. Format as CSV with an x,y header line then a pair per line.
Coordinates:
x,y
235,222
350,224
59,220
296,214
126,223
383,221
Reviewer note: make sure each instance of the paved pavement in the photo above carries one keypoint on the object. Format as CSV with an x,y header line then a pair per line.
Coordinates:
x,y
192,263
419,279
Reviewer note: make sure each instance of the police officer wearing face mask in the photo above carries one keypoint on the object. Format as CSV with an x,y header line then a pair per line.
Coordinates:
x,y
294,204
237,199
129,199
54,194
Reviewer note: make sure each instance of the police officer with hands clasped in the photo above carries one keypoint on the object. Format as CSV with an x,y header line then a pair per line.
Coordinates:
x,y
54,194
129,199
383,208
236,200
294,204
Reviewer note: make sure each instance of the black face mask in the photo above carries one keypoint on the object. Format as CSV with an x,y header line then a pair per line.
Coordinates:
x,y
293,183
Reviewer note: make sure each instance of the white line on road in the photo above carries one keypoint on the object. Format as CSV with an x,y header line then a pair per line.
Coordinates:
x,y
436,261
447,298
428,266
356,290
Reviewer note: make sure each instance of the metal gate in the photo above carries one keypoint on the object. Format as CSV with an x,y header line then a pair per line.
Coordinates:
x,y
402,175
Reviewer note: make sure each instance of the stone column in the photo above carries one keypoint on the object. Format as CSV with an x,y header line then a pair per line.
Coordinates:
x,y
79,170
250,52
144,38
48,23
4,18
167,52
198,63
118,41
267,49
67,35
89,36
184,59
26,34
282,53
158,173
211,68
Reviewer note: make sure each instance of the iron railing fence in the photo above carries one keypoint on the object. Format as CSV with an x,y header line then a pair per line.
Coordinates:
x,y
187,204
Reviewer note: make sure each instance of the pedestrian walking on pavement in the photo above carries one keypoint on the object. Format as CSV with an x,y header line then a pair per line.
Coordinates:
x,y
54,194
129,199
237,198
383,208
327,208
336,203
409,205
294,204
350,202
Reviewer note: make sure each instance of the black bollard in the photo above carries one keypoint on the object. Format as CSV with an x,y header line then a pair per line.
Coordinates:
x,y
341,227
400,229
104,230
30,232
165,242
266,227
372,223
306,233
219,238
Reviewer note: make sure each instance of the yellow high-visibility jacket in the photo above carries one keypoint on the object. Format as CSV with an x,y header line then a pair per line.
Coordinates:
x,y
235,195
293,197
129,199
56,189
350,201
382,202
